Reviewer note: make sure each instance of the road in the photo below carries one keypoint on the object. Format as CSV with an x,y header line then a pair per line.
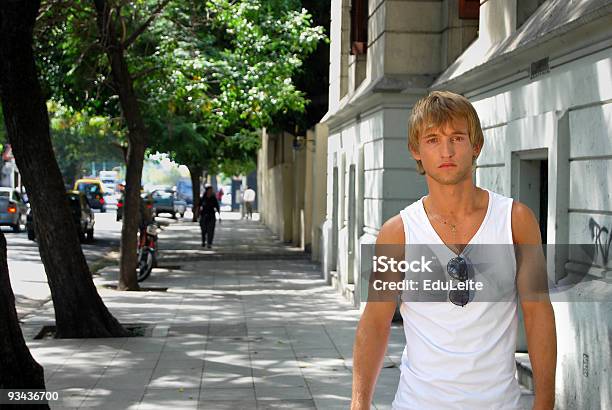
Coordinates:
x,y
27,274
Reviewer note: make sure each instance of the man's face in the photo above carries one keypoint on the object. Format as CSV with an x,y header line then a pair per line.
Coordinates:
x,y
446,152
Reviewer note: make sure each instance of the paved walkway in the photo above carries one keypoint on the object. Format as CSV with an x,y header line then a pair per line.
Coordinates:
x,y
248,324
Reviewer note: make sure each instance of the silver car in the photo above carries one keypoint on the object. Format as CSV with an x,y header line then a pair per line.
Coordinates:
x,y
13,209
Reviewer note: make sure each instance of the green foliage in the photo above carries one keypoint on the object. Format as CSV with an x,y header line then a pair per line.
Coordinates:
x,y
208,74
266,48
230,79
72,65
79,137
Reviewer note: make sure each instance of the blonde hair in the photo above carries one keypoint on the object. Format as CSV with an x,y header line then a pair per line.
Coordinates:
x,y
440,108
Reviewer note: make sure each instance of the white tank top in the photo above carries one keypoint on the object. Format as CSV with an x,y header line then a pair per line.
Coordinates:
x,y
461,357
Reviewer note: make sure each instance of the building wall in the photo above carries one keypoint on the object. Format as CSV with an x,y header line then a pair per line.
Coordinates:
x,y
319,190
275,174
376,178
562,116
569,114
370,173
291,187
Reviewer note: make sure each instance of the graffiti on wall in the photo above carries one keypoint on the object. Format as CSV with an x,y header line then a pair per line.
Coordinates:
x,y
600,235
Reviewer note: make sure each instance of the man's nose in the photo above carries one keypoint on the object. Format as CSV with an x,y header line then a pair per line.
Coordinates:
x,y
446,148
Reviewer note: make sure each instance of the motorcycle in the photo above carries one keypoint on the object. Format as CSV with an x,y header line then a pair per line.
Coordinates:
x,y
147,251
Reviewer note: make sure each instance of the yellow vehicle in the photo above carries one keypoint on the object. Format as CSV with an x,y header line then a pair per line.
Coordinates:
x,y
93,189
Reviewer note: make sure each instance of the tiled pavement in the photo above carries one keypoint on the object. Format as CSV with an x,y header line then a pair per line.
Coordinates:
x,y
249,324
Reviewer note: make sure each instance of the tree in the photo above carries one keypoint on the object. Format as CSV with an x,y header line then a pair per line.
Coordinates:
x,y
213,72
109,17
228,71
88,52
79,310
18,369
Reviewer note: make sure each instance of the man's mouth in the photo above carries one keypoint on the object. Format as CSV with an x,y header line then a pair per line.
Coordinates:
x,y
447,165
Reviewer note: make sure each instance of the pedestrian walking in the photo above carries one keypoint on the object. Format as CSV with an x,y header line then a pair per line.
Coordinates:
x,y
208,206
248,198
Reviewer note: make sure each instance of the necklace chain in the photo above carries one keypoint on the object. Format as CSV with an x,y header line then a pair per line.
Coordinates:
x,y
453,227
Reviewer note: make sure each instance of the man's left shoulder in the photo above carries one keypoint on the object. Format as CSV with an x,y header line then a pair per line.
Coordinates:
x,y
521,212
525,226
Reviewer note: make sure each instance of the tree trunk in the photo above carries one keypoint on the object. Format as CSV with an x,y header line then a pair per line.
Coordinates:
x,y
196,173
73,172
18,369
79,310
136,144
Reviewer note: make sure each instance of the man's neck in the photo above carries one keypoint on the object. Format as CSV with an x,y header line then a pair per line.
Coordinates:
x,y
453,201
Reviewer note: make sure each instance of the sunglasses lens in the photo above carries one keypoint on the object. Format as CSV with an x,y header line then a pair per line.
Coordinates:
x,y
459,297
457,268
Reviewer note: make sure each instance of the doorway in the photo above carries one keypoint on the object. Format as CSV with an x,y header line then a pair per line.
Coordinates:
x,y
530,184
352,203
334,231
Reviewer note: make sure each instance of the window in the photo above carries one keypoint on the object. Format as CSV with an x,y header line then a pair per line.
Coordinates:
x,y
359,26
469,9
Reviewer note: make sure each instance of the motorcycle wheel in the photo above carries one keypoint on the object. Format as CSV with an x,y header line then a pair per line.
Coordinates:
x,y
145,264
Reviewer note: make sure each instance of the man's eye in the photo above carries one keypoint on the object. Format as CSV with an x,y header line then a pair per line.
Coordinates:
x,y
459,138
431,140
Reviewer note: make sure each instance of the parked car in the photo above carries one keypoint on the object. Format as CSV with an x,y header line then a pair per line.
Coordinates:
x,y
13,208
148,204
166,201
81,212
93,190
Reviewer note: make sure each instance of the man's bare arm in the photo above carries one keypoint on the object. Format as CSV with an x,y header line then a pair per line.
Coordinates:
x,y
537,310
373,330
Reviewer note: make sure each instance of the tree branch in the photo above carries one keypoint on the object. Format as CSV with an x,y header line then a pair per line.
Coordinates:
x,y
143,73
144,25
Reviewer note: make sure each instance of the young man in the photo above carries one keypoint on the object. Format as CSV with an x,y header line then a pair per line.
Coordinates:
x,y
457,355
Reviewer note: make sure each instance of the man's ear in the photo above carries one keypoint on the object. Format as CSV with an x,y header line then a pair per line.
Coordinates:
x,y
477,150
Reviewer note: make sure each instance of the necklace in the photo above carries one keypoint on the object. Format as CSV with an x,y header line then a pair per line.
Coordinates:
x,y
453,227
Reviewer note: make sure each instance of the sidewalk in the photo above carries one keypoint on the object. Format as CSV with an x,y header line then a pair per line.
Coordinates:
x,y
248,324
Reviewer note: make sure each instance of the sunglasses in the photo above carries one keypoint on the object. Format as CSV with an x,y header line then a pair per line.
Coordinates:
x,y
457,269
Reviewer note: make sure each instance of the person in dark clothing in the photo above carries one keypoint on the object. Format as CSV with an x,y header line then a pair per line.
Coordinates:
x,y
208,206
